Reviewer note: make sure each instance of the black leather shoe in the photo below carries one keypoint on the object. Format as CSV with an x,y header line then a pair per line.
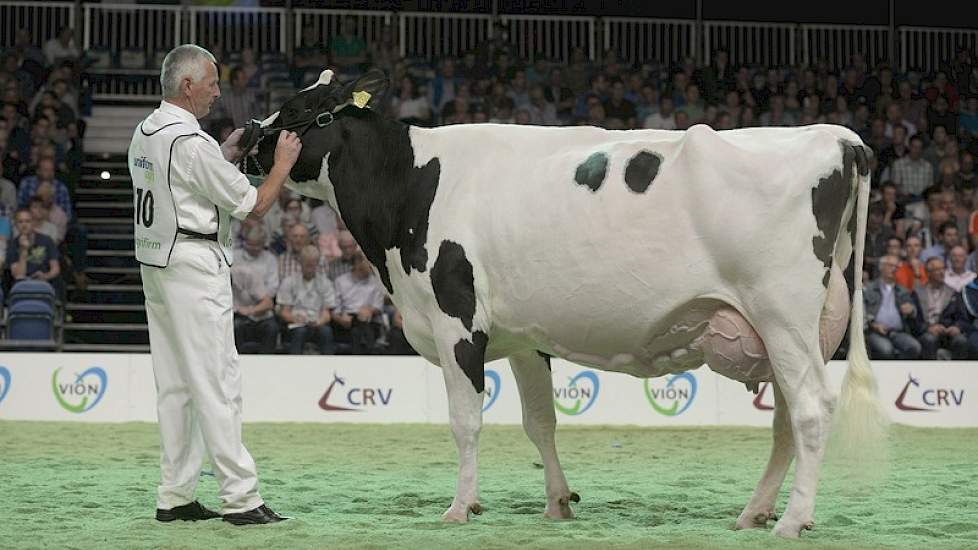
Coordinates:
x,y
261,515
188,512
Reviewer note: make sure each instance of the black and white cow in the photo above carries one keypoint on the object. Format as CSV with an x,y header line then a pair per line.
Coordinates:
x,y
646,252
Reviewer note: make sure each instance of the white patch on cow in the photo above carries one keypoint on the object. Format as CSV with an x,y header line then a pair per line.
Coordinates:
x,y
320,188
268,121
325,78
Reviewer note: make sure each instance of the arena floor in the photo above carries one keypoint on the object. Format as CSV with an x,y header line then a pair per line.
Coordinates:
x,y
86,486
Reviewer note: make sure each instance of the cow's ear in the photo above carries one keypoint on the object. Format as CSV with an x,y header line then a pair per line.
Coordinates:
x,y
365,89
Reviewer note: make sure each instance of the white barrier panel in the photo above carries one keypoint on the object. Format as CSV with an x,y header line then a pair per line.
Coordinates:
x,y
120,388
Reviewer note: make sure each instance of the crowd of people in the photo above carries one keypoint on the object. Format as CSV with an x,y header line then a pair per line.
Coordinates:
x,y
40,162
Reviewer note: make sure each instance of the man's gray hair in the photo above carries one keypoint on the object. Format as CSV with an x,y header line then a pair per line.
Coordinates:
x,y
182,62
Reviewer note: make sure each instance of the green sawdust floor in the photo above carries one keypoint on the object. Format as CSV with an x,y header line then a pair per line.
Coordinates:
x,y
92,486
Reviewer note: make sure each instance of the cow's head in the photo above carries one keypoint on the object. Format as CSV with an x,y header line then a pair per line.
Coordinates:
x,y
323,115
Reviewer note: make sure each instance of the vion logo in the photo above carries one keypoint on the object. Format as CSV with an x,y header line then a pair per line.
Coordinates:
x,y
578,395
673,397
4,382
493,384
81,393
913,395
337,397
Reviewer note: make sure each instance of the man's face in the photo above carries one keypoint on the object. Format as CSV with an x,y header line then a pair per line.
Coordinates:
x,y
25,223
348,246
916,148
949,237
888,265
958,257
894,247
361,268
204,92
935,271
889,194
914,246
309,266
298,237
254,246
45,170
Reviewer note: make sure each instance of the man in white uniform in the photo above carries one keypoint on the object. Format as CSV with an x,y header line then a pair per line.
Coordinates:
x,y
185,190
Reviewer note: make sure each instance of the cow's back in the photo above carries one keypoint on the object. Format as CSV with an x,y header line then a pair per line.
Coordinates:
x,y
599,260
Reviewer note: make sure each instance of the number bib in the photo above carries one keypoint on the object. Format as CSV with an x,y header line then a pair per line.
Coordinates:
x,y
155,216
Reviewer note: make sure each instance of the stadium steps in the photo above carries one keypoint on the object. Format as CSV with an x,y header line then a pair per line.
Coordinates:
x,y
108,315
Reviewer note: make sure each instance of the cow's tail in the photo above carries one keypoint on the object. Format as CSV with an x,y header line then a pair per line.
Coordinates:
x,y
860,423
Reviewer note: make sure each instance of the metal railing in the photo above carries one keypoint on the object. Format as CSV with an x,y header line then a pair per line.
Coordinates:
x,y
126,31
752,43
433,35
41,20
644,40
836,44
553,38
929,49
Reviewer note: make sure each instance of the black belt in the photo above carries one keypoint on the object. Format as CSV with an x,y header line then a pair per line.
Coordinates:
x,y
195,235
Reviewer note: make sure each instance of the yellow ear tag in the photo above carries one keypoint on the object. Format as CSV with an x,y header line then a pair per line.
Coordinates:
x,y
360,99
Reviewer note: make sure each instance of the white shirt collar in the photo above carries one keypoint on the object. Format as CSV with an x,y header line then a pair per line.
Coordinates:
x,y
179,112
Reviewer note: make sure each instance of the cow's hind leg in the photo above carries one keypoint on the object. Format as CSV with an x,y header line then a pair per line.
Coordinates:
x,y
532,373
800,373
760,509
462,359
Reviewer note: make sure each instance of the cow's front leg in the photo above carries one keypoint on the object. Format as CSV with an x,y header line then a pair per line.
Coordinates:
x,y
532,373
463,367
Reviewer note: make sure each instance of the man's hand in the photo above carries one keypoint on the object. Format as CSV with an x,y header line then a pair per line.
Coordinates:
x,y
230,149
345,320
906,309
23,242
287,149
365,314
953,331
878,328
936,329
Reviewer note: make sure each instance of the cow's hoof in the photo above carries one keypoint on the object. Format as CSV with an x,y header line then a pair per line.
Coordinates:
x,y
560,509
754,521
791,530
459,514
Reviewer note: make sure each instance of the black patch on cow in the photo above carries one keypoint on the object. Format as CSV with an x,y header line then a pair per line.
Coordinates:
x,y
592,172
641,170
471,357
862,159
453,283
383,197
829,198
546,357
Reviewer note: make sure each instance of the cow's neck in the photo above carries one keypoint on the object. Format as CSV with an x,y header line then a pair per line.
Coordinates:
x,y
383,198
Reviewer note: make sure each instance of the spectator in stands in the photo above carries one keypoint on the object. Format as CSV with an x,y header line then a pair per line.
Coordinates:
x,y
409,105
45,174
560,95
937,149
348,251
912,174
239,102
280,240
41,225
385,52
290,262
61,47
32,255
617,107
541,112
894,117
325,219
967,177
397,343
360,298
443,86
309,59
936,331
911,272
8,191
968,119
664,119
948,232
348,50
274,216
254,322
891,315
252,70
957,274
893,212
877,233
253,256
307,299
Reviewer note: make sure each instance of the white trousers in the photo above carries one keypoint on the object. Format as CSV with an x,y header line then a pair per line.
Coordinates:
x,y
198,382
